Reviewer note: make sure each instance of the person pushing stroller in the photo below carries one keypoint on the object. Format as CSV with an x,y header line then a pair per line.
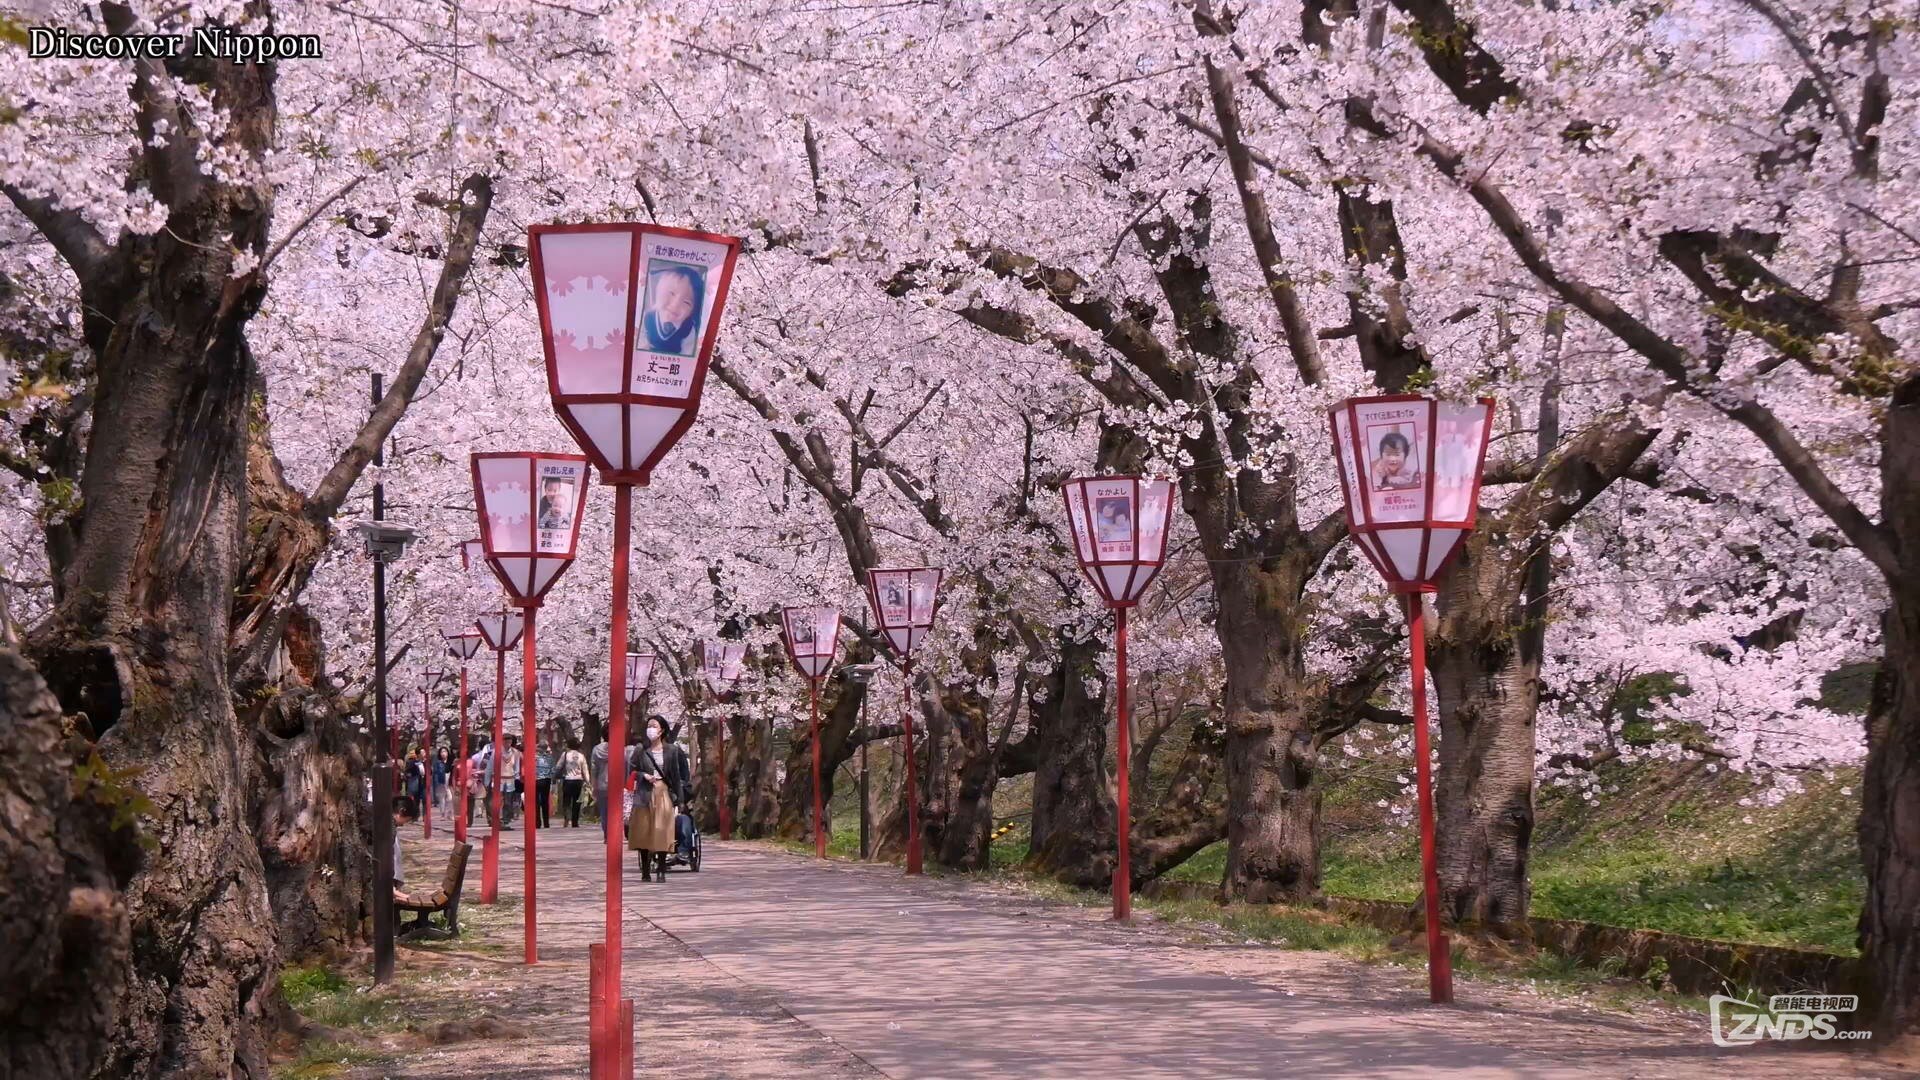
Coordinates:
x,y
662,784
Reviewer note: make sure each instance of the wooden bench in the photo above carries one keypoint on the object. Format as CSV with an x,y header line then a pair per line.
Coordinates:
x,y
446,899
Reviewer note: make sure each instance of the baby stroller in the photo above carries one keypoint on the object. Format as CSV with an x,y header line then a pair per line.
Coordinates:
x,y
686,843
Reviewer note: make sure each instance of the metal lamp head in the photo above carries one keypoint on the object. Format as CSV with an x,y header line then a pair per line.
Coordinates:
x,y
385,540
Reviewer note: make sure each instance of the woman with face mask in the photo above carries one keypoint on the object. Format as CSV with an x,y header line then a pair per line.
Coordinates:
x,y
661,783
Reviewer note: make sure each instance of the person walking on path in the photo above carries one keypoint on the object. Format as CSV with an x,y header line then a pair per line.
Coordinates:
x,y
598,766
573,773
416,776
662,786
543,786
477,783
510,785
442,766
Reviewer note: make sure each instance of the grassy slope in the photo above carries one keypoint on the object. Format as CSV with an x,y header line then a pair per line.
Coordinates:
x,y
1667,852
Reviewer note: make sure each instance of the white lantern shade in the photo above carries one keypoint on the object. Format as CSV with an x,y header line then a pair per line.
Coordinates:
x,y
629,314
501,629
462,637
812,635
721,663
431,678
552,682
639,674
904,601
530,508
1119,526
1410,470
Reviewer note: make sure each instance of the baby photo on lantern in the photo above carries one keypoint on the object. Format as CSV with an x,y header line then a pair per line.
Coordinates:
x,y
893,597
675,303
554,516
1394,464
1113,519
801,627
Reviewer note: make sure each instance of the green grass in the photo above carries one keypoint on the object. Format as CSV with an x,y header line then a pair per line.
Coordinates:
x,y
321,1060
1791,877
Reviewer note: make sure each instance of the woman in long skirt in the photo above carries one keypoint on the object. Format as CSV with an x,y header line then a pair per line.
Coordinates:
x,y
661,766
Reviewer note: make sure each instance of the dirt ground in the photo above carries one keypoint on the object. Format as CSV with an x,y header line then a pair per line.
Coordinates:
x,y
770,964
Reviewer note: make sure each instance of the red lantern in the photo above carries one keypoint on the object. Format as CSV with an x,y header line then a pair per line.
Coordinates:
x,y
812,634
639,674
501,630
720,666
530,508
721,663
1119,526
1410,476
629,315
473,559
903,602
463,644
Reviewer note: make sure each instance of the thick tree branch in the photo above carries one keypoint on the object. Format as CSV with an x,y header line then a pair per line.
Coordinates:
x,y
475,203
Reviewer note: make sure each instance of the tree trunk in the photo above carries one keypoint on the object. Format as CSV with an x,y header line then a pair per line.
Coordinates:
x,y
1488,691
1073,799
63,913
840,700
140,638
1189,816
311,825
759,802
1273,824
1890,807
966,834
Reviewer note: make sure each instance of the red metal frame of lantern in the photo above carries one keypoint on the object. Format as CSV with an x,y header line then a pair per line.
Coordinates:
x,y
1119,526
629,314
501,630
430,680
639,667
530,506
1409,509
463,644
552,682
905,601
720,666
812,655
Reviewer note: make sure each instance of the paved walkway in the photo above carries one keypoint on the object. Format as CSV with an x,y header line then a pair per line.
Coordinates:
x,y
773,964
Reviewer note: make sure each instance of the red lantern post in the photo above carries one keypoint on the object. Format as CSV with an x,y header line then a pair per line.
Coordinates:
x,y
1119,526
629,314
1410,476
530,506
812,635
463,643
501,630
903,602
720,665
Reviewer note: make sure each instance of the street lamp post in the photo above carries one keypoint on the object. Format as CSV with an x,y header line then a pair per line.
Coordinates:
x,y
812,634
502,631
1119,526
530,506
904,601
629,314
863,674
1410,471
463,643
720,666
385,541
